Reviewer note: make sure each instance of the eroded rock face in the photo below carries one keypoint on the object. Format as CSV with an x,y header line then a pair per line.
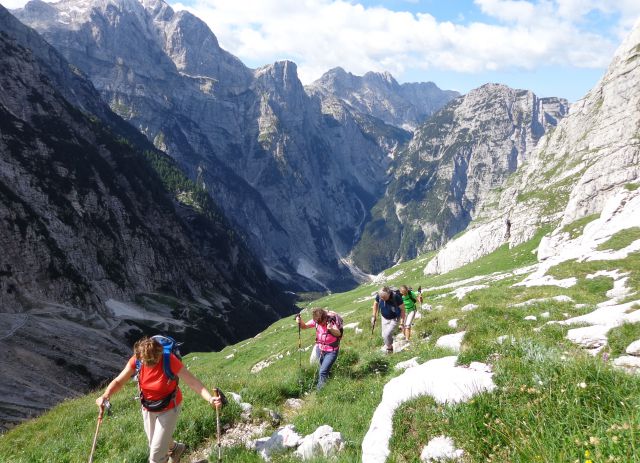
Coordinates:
x,y
95,249
590,156
295,172
454,160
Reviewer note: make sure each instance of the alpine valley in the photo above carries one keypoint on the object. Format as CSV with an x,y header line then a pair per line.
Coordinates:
x,y
151,182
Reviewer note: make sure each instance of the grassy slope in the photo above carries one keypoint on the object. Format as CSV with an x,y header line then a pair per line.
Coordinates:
x,y
540,411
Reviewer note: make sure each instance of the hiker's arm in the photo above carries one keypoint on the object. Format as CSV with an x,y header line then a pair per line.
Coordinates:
x,y
115,385
197,387
301,324
333,330
402,313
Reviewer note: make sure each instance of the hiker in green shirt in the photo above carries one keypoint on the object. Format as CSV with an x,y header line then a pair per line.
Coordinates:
x,y
409,298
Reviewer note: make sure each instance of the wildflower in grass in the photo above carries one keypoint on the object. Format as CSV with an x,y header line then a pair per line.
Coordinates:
x,y
582,385
587,453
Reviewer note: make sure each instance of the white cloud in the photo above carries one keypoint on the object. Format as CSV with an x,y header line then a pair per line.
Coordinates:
x,y
321,34
12,4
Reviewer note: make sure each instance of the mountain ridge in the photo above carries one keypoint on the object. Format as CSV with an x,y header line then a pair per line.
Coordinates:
x,y
97,250
223,126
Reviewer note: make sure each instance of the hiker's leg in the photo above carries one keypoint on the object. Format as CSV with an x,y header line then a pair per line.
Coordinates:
x,y
408,323
149,421
162,438
388,328
327,360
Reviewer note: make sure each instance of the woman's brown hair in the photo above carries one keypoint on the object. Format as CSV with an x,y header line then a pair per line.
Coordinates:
x,y
318,314
148,351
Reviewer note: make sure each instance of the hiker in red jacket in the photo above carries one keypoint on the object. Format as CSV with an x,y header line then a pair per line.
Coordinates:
x,y
329,330
161,397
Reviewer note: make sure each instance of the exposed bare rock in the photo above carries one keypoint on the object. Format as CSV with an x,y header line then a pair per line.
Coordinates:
x,y
589,158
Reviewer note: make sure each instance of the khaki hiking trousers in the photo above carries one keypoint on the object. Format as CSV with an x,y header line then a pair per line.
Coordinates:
x,y
159,427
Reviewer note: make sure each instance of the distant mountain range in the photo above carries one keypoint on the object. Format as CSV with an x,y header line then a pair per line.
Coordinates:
x,y
296,171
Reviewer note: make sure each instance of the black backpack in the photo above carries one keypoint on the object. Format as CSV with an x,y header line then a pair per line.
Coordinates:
x,y
395,306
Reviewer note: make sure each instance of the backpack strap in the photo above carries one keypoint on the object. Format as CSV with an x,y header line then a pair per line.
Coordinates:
x,y
167,344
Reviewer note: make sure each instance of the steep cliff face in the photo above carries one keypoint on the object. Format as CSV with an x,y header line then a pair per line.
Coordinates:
x,y
295,172
95,250
591,155
379,95
452,163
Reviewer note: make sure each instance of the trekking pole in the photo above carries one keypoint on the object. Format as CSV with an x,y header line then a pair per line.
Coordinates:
x,y
216,393
373,325
105,405
420,297
300,382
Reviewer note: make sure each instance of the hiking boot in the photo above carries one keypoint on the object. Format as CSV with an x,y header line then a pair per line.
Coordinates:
x,y
389,351
176,452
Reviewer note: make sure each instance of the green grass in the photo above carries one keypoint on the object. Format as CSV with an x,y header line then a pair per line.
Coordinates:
x,y
621,240
621,337
539,412
632,186
576,228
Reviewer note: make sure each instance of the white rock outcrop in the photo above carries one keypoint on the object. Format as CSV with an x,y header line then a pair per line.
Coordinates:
x,y
412,362
633,348
440,449
285,437
451,341
323,442
440,379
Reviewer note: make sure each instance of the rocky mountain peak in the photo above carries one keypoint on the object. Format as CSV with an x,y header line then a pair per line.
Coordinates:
x,y
379,95
455,159
592,156
380,78
281,77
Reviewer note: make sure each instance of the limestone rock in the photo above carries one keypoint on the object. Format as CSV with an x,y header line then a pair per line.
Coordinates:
x,y
441,449
633,348
285,437
324,442
451,341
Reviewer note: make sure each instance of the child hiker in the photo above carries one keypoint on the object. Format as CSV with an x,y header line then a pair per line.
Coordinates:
x,y
160,397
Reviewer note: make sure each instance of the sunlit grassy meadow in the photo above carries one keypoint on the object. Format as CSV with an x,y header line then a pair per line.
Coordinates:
x,y
553,403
